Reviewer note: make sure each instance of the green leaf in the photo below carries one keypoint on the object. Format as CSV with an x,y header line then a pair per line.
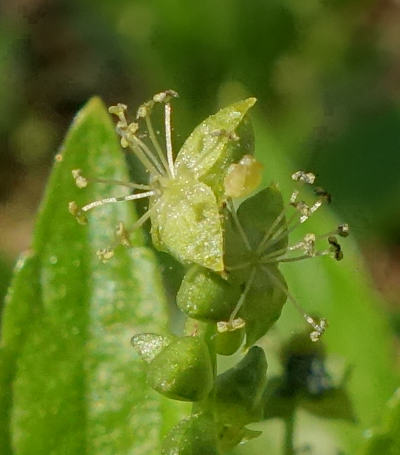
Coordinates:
x,y
209,150
186,223
263,305
70,381
264,300
238,391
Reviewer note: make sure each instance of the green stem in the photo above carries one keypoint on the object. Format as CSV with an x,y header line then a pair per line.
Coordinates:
x,y
289,435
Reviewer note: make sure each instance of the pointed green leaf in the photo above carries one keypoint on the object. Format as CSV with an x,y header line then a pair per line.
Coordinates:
x,y
238,391
185,222
210,149
258,213
263,305
70,382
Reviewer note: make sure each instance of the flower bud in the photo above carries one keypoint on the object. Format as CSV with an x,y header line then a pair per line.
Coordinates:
x,y
193,436
182,370
206,296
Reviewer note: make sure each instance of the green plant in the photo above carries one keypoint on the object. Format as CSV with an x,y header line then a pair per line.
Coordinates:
x,y
79,313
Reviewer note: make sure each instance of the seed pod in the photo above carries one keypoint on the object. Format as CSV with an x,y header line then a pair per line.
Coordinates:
x,y
227,343
193,436
238,391
206,296
183,370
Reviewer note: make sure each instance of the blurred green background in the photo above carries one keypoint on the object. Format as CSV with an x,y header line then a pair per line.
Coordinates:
x,y
326,74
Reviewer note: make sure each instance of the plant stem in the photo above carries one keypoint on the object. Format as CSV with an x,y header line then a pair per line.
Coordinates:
x,y
289,435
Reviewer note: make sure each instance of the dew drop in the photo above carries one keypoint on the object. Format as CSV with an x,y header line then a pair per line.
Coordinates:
x,y
53,260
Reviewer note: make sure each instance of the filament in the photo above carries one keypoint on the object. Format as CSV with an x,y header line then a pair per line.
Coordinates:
x,y
244,294
111,200
168,139
238,225
156,144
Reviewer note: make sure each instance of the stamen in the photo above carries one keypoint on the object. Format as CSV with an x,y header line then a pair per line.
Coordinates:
x,y
122,235
335,248
343,230
80,180
76,211
268,234
165,97
105,254
243,265
243,296
238,224
111,200
119,110
168,139
156,144
149,154
304,177
230,326
136,186
318,191
319,329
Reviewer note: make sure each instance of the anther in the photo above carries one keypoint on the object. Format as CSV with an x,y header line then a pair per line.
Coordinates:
x,y
165,97
77,212
230,326
105,254
305,177
319,329
336,249
145,109
122,234
80,181
343,230
318,191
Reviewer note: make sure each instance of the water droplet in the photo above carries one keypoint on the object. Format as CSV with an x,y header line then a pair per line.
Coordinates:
x,y
53,260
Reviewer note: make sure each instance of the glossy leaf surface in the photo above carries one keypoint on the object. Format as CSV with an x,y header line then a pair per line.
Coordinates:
x,y
70,381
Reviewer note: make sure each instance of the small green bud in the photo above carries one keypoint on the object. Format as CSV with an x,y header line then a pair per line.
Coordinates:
x,y
238,391
228,342
206,296
193,436
183,370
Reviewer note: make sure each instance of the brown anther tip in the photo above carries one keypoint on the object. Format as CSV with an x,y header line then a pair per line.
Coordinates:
x,y
318,191
343,230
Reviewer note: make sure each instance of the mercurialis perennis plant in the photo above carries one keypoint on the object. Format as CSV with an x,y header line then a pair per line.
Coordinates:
x,y
206,210
87,364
